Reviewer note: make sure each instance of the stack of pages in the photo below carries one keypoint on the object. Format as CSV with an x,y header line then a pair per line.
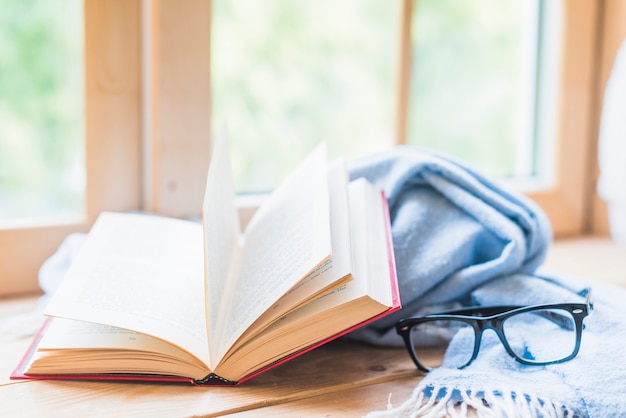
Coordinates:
x,y
162,299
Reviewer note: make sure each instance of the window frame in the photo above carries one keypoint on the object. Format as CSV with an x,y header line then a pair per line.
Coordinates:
x,y
145,126
112,143
564,201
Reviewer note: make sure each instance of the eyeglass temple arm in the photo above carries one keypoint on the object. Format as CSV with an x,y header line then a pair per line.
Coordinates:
x,y
494,310
480,310
589,300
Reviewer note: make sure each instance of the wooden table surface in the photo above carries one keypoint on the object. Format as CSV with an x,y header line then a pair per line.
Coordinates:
x,y
339,379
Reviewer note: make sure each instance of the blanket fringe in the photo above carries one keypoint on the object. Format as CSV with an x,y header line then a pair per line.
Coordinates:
x,y
441,402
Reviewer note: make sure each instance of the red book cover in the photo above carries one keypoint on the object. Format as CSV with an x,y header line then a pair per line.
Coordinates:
x,y
213,379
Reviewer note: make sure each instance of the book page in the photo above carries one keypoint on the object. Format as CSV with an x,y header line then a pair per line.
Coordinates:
x,y
221,236
288,237
372,253
76,345
139,272
369,294
335,271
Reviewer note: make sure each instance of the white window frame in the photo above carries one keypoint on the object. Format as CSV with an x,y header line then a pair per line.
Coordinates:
x,y
148,110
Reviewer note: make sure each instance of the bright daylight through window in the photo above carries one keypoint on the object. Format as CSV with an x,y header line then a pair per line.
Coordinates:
x,y
306,71
482,88
41,108
482,84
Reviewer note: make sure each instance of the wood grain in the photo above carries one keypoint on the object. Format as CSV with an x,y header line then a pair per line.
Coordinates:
x,y
339,379
335,368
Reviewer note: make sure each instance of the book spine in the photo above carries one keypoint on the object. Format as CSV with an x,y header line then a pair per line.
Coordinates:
x,y
213,379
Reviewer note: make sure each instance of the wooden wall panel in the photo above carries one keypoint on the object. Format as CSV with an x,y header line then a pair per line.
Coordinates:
x,y
113,105
179,109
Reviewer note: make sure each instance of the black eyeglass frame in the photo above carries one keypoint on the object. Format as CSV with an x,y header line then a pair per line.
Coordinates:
x,y
481,318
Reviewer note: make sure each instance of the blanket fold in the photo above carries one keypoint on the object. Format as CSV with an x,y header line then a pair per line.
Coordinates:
x,y
453,230
462,240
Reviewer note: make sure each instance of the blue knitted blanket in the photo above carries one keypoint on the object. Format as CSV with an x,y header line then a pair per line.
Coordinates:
x,y
460,239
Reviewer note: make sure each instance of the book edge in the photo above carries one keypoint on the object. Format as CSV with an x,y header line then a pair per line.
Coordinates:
x,y
212,379
395,306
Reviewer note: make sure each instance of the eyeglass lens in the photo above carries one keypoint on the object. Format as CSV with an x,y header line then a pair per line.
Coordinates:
x,y
540,336
434,340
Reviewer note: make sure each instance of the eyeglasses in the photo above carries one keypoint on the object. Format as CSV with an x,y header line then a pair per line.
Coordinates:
x,y
534,335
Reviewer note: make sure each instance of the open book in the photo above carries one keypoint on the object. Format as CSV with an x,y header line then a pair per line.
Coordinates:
x,y
156,298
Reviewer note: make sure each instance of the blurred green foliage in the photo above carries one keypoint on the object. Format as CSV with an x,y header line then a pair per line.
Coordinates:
x,y
466,81
41,107
288,74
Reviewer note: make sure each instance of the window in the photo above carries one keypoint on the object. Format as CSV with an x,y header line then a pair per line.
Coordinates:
x,y
489,83
308,71
112,142
481,82
41,102
148,110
